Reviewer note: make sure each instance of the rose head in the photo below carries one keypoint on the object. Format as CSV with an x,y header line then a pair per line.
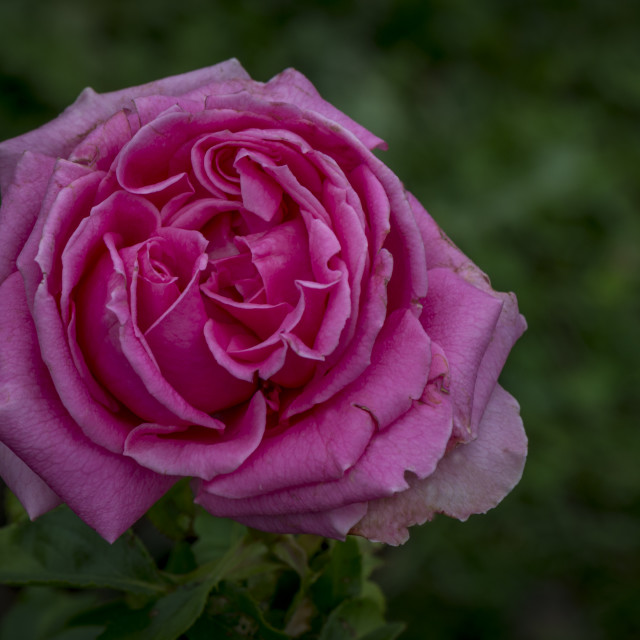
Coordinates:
x,y
212,277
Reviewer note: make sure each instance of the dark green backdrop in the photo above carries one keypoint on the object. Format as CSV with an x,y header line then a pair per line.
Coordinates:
x,y
517,124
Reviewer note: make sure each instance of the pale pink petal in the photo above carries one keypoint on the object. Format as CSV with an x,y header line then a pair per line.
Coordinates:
x,y
472,478
108,491
34,494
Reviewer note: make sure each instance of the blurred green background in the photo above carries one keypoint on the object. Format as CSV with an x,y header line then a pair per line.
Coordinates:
x,y
517,124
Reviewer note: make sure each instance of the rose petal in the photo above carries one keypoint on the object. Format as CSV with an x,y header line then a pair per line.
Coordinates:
x,y
511,325
357,356
21,203
179,347
462,319
198,452
292,87
336,523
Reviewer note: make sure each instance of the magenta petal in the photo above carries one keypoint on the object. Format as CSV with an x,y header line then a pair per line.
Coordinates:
x,y
356,357
511,325
103,427
21,204
102,145
108,491
34,494
281,257
443,253
414,443
129,362
472,478
336,523
260,193
408,283
375,203
200,452
180,349
461,319
131,217
262,319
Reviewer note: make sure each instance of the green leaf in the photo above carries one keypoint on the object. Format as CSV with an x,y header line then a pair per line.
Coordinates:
x,y
166,619
40,612
292,554
215,536
372,591
59,549
341,579
181,559
353,620
232,613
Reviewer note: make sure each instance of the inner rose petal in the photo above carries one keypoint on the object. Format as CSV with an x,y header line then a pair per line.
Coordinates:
x,y
281,257
260,193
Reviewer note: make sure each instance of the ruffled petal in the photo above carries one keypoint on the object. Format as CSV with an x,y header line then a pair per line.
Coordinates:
x,y
472,478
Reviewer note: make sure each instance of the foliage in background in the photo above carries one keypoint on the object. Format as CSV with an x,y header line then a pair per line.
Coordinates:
x,y
208,578
517,125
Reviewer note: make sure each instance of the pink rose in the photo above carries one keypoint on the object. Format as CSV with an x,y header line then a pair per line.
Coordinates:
x,y
212,277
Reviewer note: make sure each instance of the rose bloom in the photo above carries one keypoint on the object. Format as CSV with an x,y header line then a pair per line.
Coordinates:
x,y
212,277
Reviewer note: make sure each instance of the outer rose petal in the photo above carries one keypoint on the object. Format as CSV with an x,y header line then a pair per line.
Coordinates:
x,y
462,319
20,207
472,478
94,482
292,87
443,254
58,137
336,523
34,494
